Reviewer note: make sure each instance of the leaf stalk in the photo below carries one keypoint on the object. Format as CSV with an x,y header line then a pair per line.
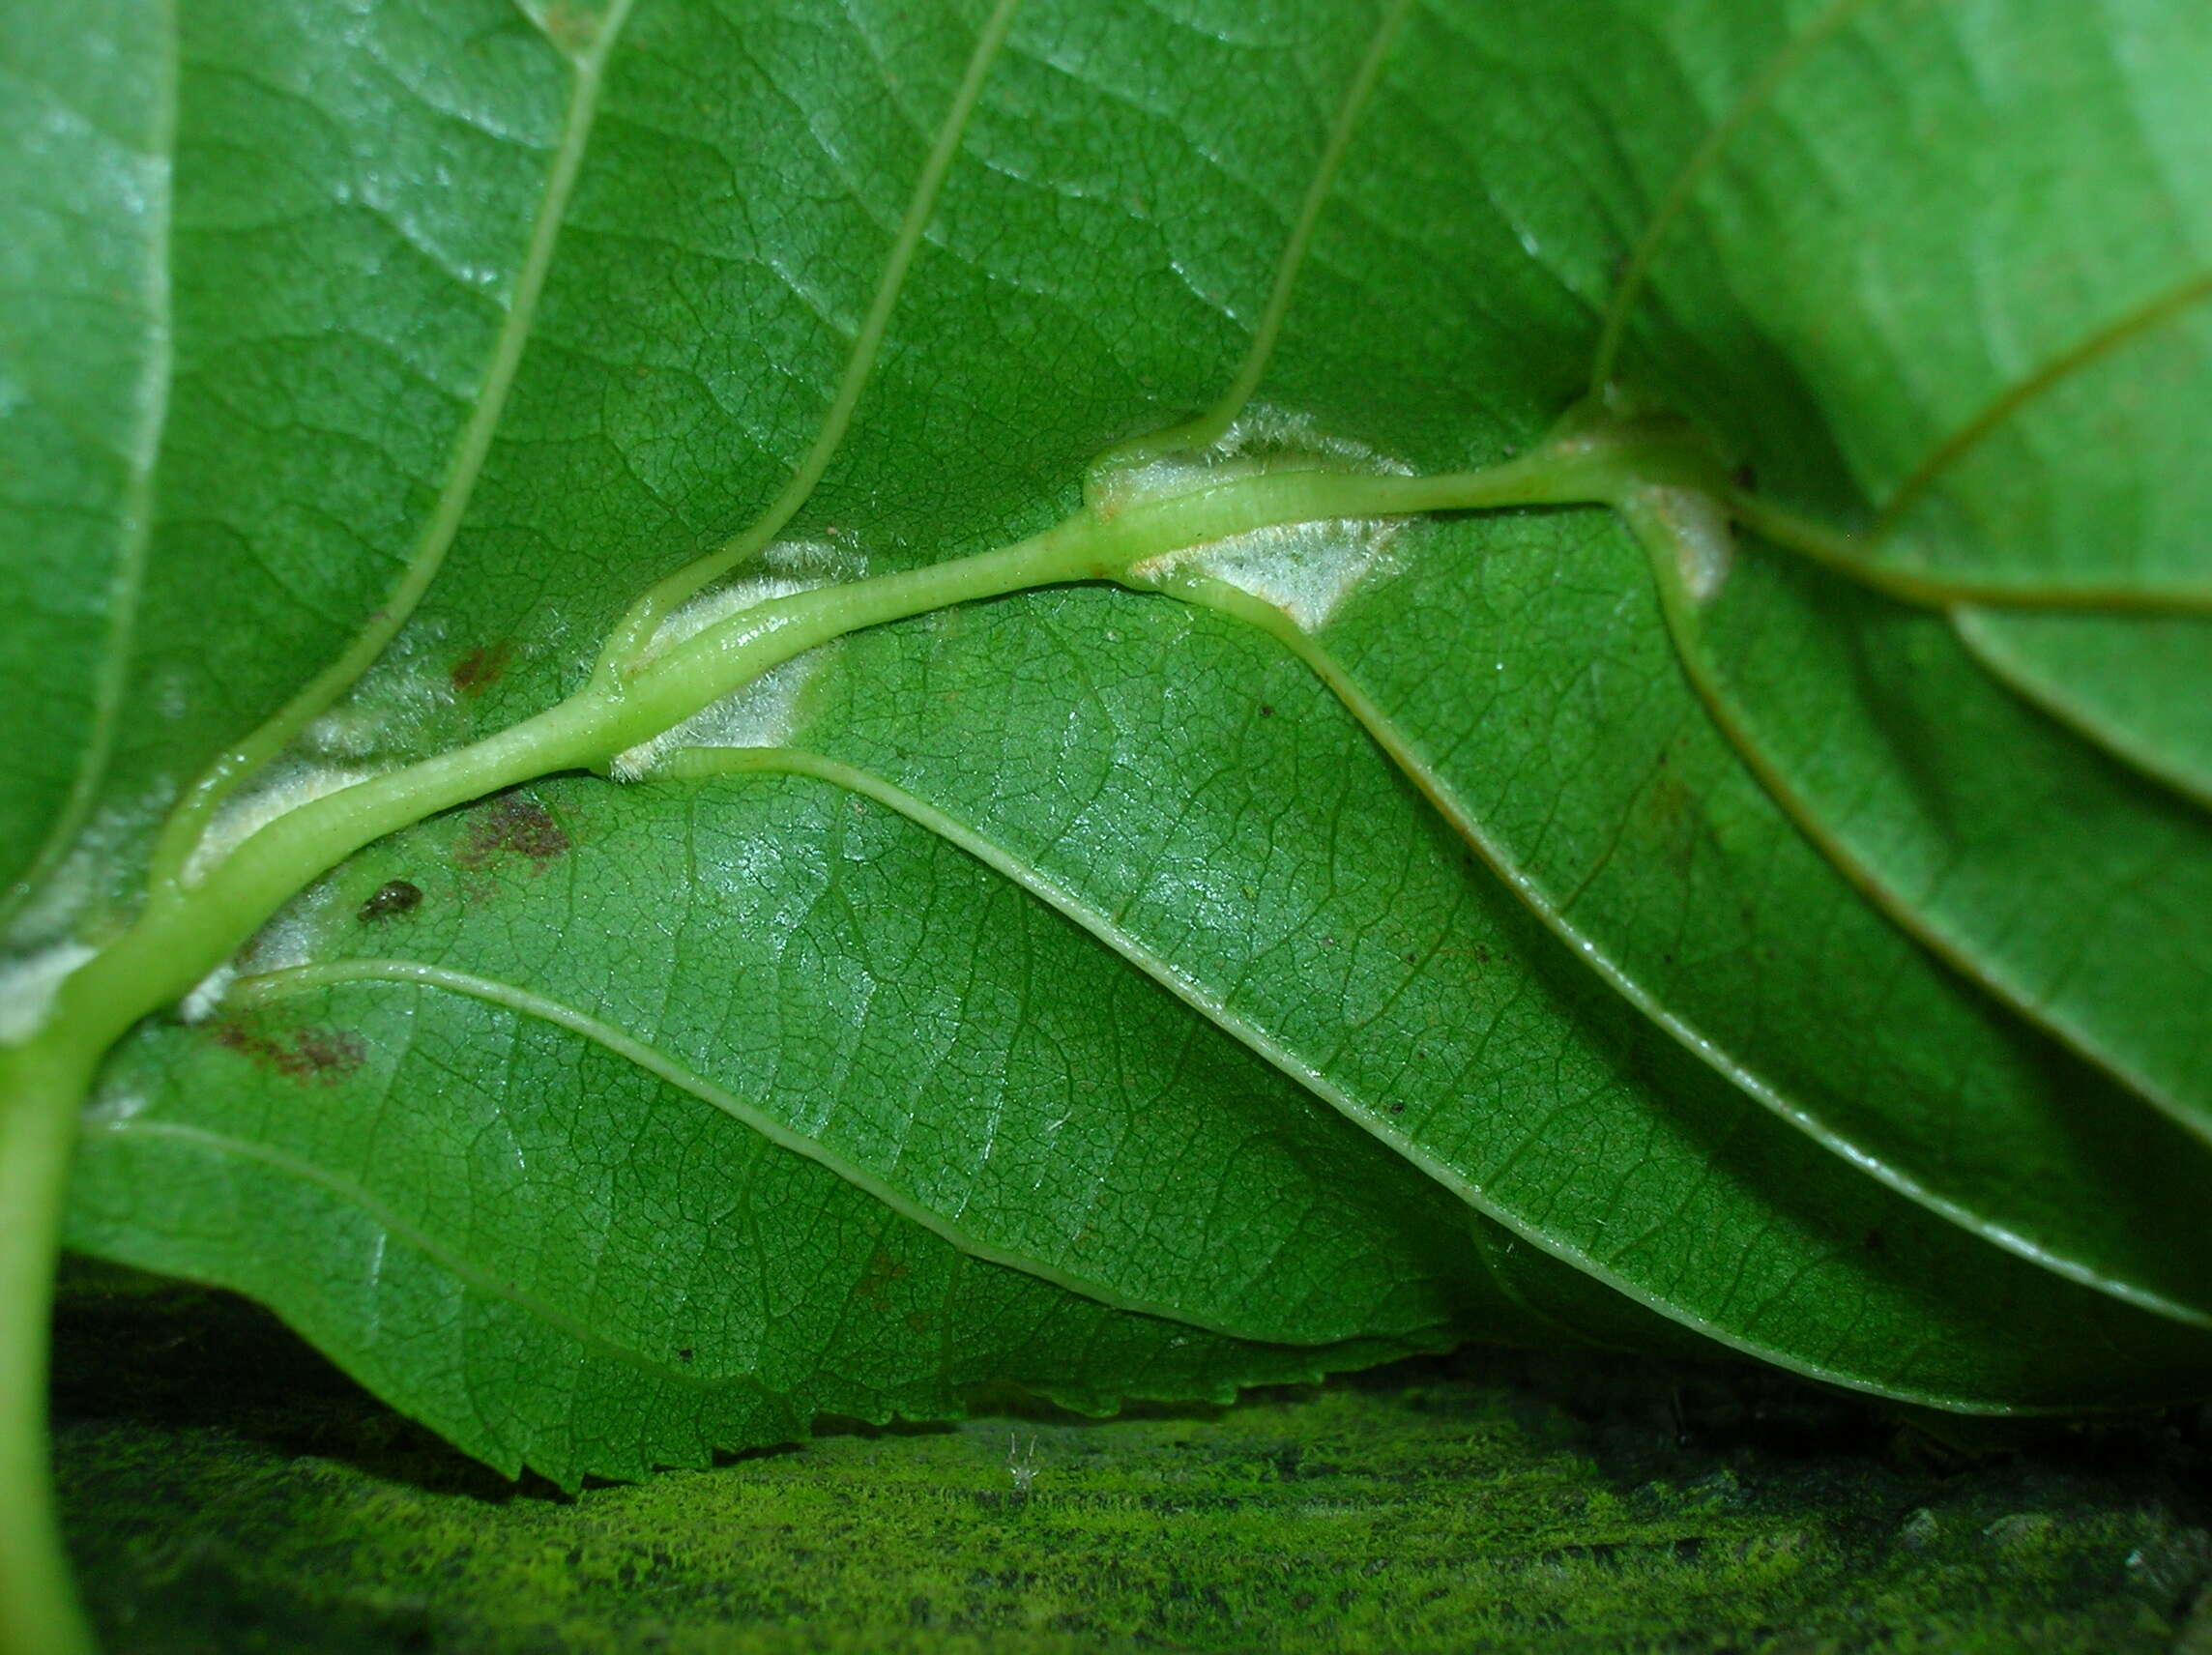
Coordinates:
x,y
40,1085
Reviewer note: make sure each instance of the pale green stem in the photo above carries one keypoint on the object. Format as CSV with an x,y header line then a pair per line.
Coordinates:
x,y
187,930
41,1085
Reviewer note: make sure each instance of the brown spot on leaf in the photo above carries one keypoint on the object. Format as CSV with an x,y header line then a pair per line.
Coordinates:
x,y
1667,801
324,1055
512,825
569,27
876,1280
480,668
1667,811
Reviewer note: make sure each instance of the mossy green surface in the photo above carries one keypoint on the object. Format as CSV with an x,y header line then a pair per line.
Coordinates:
x,y
226,1491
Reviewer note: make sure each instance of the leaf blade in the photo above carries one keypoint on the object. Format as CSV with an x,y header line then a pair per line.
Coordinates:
x,y
2131,684
83,393
554,1370
1135,831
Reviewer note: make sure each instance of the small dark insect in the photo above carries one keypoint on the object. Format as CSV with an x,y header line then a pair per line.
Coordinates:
x,y
393,896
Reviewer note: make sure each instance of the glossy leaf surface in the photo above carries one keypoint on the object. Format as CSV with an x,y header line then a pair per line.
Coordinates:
x,y
1564,922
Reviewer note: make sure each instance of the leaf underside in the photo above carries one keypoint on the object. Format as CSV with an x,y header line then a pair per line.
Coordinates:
x,y
1505,939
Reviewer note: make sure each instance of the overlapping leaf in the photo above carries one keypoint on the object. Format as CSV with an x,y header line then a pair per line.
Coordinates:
x,y
600,1275
2137,685
1940,791
86,107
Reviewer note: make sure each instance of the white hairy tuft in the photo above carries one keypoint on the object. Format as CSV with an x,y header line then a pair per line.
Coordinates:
x,y
28,987
201,1005
762,712
762,715
396,706
1304,570
278,792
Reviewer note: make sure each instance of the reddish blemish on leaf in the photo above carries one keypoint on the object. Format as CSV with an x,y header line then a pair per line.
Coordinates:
x,y
570,27
876,1280
510,825
324,1055
480,668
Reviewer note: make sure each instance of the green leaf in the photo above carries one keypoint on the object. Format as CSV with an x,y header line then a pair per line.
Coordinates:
x,y
2135,685
346,312
1529,682
1940,791
596,1272
1375,931
86,107
1968,238
879,1001
1358,946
